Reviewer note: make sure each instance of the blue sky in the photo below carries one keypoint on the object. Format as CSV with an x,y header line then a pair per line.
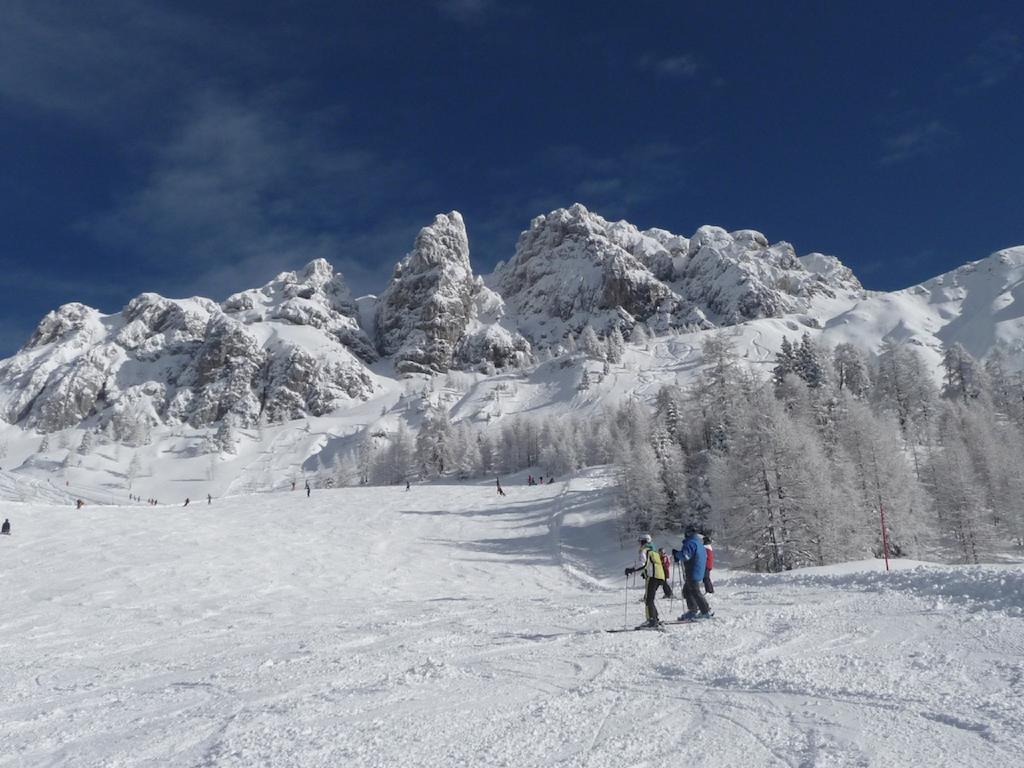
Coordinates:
x,y
202,147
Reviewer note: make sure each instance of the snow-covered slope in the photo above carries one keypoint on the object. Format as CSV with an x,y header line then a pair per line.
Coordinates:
x,y
447,626
979,305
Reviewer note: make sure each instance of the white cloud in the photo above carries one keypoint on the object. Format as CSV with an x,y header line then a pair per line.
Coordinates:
x,y
922,139
239,192
996,58
683,66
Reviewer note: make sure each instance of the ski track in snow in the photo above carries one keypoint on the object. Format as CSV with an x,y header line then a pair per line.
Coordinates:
x,y
446,626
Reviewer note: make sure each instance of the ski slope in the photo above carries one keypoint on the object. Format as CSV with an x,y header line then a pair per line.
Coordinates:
x,y
446,626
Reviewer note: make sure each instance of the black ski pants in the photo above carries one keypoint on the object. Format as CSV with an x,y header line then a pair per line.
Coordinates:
x,y
709,587
694,599
653,585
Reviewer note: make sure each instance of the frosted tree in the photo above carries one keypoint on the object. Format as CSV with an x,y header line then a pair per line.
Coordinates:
x,y
639,336
768,488
785,362
616,346
643,492
584,381
851,369
959,497
366,458
903,386
719,389
964,376
44,444
669,406
1006,387
85,447
597,442
466,451
590,344
487,453
808,363
995,449
434,452
396,463
134,469
570,344
881,482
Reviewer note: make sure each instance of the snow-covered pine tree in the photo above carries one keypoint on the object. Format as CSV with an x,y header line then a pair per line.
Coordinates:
x,y
134,469
785,362
964,376
808,362
85,447
851,369
590,344
434,453
639,336
616,346
584,384
643,492
955,487
903,386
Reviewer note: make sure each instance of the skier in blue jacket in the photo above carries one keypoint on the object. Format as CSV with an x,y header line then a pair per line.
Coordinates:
x,y
693,557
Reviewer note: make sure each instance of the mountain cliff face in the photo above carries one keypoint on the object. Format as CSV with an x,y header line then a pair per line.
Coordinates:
x,y
282,351
572,268
435,310
301,344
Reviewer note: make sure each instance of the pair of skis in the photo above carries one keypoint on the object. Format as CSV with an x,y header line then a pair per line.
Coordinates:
x,y
659,628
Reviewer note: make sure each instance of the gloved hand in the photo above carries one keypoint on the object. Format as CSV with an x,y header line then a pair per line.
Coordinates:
x,y
630,570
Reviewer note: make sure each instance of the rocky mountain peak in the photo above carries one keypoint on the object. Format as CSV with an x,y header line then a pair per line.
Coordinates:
x,y
426,308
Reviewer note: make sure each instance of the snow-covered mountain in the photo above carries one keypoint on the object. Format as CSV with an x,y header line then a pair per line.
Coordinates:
x,y
301,347
290,348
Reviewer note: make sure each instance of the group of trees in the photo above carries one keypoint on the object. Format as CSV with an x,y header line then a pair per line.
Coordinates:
x,y
791,470
799,469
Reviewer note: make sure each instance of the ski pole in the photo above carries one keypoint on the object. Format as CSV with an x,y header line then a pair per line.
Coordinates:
x,y
625,605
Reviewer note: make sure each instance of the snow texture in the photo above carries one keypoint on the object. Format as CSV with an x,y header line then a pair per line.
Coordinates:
x,y
447,626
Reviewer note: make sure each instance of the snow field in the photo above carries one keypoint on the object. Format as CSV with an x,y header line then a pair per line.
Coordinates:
x,y
447,626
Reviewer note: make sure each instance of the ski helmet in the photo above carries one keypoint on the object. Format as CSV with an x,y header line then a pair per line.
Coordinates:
x,y
690,530
644,538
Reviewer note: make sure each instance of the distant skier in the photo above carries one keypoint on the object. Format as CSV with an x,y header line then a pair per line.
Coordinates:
x,y
709,587
186,501
293,485
407,485
5,529
693,557
79,503
308,489
497,482
209,499
654,574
